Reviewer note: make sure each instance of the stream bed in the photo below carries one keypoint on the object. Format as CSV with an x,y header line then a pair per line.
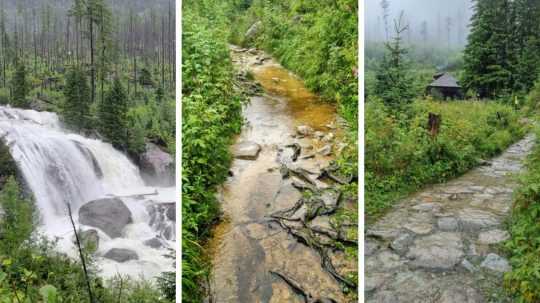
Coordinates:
x,y
257,250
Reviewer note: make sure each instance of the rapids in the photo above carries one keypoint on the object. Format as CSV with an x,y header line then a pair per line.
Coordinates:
x,y
61,167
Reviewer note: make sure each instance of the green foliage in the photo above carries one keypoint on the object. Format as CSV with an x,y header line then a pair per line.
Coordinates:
x,y
8,166
145,78
502,52
20,85
16,223
401,156
4,96
318,40
112,115
76,106
31,269
523,282
211,115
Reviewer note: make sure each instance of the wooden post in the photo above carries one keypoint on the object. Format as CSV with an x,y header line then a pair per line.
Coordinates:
x,y
434,123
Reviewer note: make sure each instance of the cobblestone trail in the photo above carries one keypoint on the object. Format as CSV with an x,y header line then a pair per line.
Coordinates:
x,y
440,245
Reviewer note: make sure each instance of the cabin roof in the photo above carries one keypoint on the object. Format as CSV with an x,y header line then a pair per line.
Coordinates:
x,y
444,80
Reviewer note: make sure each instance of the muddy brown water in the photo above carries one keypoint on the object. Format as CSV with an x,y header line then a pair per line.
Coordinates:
x,y
246,246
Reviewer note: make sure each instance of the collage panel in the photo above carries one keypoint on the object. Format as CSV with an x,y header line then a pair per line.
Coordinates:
x,y
451,177
87,151
269,151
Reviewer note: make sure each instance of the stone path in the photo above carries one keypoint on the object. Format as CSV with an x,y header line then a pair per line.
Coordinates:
x,y
441,244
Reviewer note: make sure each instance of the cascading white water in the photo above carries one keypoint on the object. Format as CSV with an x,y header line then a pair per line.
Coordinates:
x,y
62,168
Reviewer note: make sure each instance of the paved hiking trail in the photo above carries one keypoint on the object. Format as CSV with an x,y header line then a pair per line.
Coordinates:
x,y
441,244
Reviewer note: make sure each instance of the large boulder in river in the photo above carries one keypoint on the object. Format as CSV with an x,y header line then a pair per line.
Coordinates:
x,y
110,215
121,255
157,166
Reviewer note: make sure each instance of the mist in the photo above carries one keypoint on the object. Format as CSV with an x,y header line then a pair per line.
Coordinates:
x,y
432,23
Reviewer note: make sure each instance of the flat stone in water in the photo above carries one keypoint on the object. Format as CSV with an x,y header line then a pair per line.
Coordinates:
x,y
246,150
493,236
496,263
439,251
121,255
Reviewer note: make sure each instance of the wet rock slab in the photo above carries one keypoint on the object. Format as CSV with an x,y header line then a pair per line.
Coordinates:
x,y
110,215
246,150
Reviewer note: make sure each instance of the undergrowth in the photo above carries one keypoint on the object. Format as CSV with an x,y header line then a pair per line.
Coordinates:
x,y
211,115
401,156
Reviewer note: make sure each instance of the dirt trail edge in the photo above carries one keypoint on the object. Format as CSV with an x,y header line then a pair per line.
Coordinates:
x,y
440,244
279,240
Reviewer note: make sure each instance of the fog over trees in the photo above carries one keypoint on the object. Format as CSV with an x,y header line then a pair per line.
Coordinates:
x,y
435,23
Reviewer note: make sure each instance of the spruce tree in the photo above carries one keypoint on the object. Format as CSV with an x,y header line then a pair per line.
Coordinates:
x,y
145,79
76,106
393,83
526,44
20,86
112,115
488,55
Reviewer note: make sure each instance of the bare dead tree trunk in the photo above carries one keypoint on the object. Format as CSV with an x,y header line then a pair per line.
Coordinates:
x,y
81,255
434,123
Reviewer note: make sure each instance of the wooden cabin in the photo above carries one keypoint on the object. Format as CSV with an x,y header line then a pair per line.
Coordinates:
x,y
445,86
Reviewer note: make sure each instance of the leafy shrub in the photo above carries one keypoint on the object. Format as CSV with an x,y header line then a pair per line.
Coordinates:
x,y
211,114
32,270
523,282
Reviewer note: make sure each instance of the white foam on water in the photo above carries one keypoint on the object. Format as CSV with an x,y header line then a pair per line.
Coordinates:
x,y
61,168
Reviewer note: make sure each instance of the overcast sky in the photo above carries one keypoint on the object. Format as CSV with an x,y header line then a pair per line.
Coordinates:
x,y
434,12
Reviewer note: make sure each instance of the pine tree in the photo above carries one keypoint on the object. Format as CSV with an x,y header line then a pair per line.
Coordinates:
x,y
112,115
20,86
488,61
393,83
145,78
76,106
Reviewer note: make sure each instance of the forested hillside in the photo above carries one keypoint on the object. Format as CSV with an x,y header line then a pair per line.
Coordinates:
x,y
107,69
317,41
64,55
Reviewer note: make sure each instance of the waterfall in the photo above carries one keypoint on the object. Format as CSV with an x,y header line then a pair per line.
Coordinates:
x,y
61,168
